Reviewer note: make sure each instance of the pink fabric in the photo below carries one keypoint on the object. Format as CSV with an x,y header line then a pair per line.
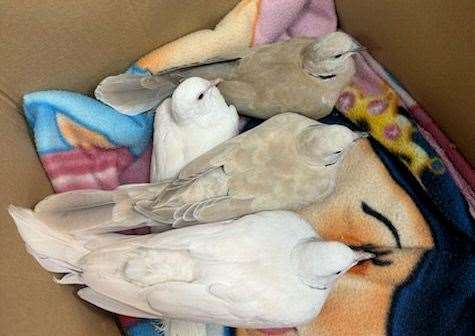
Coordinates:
x,y
281,19
95,168
463,167
138,171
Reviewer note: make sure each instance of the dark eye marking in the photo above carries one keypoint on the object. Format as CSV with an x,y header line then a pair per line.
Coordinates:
x,y
377,251
339,272
326,77
337,152
201,96
380,217
338,56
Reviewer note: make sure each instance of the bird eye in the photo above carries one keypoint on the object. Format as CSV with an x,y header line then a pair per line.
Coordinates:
x,y
326,77
337,152
337,56
339,272
201,96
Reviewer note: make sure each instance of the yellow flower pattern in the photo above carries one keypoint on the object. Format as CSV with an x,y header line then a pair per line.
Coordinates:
x,y
379,115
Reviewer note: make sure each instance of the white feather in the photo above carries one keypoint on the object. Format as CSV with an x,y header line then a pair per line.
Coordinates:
x,y
192,122
54,250
266,270
109,304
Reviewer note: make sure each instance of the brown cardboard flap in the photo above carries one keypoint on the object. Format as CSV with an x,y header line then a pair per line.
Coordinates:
x,y
71,45
429,46
31,303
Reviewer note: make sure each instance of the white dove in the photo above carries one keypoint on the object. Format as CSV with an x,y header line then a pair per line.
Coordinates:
x,y
265,270
195,119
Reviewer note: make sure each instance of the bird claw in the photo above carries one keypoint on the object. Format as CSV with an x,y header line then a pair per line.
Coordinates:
x,y
377,251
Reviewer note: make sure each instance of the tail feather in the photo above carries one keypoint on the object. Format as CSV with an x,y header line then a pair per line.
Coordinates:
x,y
51,264
54,250
75,200
134,94
70,279
180,327
84,212
91,212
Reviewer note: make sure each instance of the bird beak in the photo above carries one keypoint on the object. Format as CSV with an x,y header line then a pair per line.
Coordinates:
x,y
361,135
215,82
362,256
357,47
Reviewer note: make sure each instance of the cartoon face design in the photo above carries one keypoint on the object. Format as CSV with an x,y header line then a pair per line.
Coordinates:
x,y
367,207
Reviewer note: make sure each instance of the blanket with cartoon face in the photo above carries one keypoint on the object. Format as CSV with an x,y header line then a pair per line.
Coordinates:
x,y
397,193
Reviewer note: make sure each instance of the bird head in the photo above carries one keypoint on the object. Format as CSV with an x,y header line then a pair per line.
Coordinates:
x,y
323,145
329,57
320,263
196,97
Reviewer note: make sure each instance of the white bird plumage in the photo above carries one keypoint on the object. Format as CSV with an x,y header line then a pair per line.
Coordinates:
x,y
195,119
266,270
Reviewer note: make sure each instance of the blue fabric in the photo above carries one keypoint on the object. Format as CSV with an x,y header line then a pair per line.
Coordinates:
x,y
438,298
136,70
42,107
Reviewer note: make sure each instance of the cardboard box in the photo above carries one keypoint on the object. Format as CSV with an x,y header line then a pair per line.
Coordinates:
x,y
72,45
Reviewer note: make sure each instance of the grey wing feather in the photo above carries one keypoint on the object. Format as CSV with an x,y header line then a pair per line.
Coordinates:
x,y
75,200
231,56
181,200
134,94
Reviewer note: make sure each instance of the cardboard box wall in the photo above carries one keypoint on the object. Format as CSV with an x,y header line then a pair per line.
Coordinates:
x,y
71,45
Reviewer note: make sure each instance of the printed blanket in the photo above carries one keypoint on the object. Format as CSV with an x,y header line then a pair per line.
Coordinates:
x,y
407,191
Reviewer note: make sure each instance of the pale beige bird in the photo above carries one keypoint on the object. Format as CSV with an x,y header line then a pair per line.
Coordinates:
x,y
300,75
286,163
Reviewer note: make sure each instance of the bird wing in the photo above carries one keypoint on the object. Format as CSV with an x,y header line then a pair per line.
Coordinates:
x,y
168,152
228,57
109,304
180,202
196,301
200,183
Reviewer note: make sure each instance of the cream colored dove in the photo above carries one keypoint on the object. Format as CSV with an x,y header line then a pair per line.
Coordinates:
x,y
285,163
265,270
300,75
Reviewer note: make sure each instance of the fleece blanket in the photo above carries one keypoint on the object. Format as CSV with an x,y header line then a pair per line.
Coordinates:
x,y
406,191
84,144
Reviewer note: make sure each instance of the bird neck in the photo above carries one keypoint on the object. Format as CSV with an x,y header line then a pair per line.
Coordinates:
x,y
306,261
195,117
